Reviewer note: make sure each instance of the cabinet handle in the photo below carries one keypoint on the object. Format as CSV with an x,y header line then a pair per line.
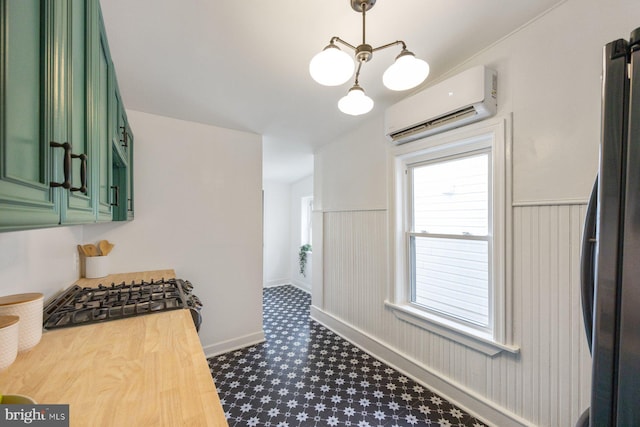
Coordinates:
x,y
116,195
83,173
130,200
66,164
125,137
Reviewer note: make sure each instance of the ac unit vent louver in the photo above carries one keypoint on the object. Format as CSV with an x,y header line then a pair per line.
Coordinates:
x,y
465,98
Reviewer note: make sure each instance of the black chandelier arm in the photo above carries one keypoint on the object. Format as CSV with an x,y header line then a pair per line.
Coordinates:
x,y
338,39
395,43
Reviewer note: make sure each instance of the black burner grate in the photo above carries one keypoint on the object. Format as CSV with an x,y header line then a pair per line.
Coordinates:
x,y
79,306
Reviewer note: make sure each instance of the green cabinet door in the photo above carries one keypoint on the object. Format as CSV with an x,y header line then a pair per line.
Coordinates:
x,y
122,170
121,126
102,130
26,77
119,169
77,205
130,198
122,159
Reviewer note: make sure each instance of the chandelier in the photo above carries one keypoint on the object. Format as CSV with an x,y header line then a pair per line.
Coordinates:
x,y
333,67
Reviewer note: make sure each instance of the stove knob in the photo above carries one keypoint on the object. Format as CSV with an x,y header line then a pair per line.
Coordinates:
x,y
195,302
187,286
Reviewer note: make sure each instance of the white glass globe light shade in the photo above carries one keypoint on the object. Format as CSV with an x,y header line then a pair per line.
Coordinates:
x,y
406,72
355,102
331,67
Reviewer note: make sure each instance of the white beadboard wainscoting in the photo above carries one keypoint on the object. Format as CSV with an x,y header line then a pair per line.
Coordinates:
x,y
546,384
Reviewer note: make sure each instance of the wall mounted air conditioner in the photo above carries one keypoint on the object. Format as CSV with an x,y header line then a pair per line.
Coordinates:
x,y
462,99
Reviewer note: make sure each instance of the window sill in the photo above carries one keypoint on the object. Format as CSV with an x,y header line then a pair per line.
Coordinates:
x,y
468,337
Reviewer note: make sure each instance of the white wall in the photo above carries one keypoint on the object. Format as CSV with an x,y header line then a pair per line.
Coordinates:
x,y
43,260
282,231
549,79
277,233
351,170
299,189
198,204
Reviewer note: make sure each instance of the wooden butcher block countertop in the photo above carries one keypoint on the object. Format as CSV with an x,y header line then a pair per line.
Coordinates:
x,y
142,371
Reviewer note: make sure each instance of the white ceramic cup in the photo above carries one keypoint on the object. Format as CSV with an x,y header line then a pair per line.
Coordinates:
x,y
96,266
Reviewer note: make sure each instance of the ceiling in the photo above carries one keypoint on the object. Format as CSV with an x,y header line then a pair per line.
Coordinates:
x,y
244,64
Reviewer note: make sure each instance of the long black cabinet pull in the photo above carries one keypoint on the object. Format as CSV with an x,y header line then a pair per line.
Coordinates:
x,y
66,165
83,173
116,195
125,137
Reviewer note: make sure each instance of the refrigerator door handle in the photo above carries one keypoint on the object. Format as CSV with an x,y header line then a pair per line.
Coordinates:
x,y
583,421
587,263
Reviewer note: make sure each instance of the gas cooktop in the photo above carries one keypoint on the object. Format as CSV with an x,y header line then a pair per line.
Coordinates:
x,y
79,306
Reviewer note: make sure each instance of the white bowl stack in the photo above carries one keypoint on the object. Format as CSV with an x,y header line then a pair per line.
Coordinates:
x,y
8,340
28,307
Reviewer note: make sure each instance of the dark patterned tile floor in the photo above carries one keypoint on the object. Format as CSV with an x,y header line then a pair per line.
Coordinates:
x,y
306,375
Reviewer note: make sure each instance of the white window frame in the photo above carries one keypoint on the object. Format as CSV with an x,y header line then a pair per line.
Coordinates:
x,y
492,135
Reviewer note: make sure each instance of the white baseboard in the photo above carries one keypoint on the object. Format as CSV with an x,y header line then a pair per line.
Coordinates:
x,y
468,400
278,282
233,344
301,285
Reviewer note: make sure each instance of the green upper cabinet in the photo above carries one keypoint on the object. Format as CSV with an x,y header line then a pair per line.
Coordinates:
x,y
59,116
27,78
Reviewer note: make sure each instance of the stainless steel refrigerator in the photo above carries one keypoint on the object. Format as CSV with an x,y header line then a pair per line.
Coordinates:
x,y
611,246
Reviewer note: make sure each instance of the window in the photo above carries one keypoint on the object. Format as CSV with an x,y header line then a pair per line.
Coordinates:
x,y
449,237
306,211
450,228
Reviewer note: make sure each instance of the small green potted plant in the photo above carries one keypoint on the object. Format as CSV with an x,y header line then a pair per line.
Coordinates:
x,y
302,257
